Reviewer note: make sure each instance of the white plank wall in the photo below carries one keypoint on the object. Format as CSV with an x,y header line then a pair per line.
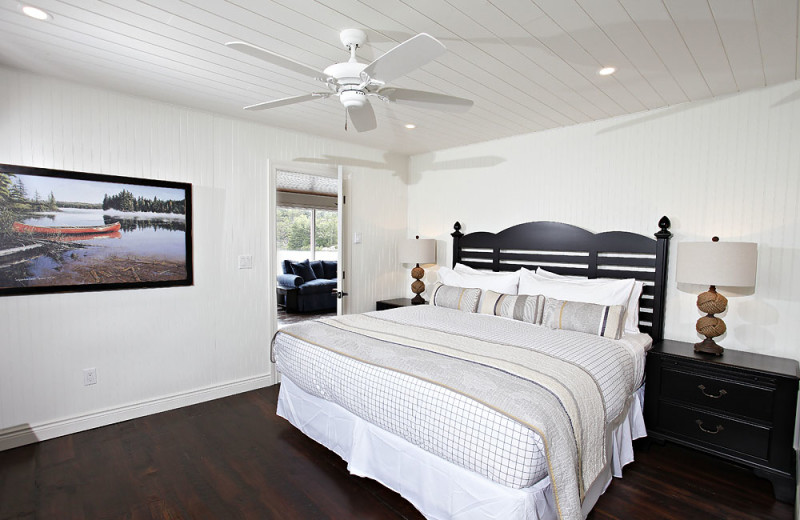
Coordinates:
x,y
727,167
157,349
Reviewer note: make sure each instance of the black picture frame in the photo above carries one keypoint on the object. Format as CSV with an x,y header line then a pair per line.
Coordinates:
x,y
51,244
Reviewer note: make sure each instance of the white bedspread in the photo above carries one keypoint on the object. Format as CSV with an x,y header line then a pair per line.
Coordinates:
x,y
471,433
439,489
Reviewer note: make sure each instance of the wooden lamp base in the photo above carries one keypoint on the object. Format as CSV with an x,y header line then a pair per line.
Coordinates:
x,y
708,346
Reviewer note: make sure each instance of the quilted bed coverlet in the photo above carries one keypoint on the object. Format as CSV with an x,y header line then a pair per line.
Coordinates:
x,y
567,387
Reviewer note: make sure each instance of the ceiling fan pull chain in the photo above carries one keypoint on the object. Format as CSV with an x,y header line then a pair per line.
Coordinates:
x,y
345,120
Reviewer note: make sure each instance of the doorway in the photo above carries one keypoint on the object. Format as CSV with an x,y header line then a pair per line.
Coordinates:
x,y
308,223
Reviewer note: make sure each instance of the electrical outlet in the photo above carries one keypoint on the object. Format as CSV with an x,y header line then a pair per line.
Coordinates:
x,y
89,376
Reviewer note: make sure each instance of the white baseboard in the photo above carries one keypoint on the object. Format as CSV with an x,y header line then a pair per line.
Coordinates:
x,y
27,434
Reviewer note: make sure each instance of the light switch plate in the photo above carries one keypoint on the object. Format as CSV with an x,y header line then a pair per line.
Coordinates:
x,y
245,261
357,237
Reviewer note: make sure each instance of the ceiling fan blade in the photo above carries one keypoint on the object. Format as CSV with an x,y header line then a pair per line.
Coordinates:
x,y
363,117
409,55
276,59
286,101
422,99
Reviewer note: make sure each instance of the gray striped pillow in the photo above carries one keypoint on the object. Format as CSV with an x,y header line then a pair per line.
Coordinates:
x,y
455,297
601,320
521,308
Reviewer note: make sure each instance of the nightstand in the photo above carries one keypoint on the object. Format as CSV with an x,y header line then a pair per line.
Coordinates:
x,y
382,305
740,406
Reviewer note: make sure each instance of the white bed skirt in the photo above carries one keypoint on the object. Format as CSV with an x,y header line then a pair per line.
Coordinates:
x,y
438,489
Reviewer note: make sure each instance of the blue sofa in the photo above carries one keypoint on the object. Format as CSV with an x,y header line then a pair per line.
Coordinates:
x,y
307,286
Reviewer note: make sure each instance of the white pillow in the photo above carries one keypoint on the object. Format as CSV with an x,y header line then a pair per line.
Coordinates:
x,y
601,292
465,269
502,282
632,307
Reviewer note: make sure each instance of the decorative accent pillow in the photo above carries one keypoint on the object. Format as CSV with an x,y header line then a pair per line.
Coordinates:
x,y
601,320
463,299
499,282
329,269
518,307
631,308
303,270
316,266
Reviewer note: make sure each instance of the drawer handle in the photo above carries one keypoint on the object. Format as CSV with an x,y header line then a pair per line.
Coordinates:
x,y
714,432
720,394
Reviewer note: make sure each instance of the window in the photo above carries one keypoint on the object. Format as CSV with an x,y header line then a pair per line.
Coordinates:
x,y
307,233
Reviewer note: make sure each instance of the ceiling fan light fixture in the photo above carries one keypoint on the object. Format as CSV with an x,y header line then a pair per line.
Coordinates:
x,y
35,12
607,71
410,126
353,98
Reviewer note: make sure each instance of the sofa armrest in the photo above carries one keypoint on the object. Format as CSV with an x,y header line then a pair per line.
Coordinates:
x,y
289,280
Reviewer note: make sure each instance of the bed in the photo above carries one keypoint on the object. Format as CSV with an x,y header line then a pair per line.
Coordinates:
x,y
501,411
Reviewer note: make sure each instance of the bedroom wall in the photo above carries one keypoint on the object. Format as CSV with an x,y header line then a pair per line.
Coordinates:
x,y
728,167
156,349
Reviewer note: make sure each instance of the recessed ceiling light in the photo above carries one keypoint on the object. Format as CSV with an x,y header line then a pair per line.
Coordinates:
x,y
607,71
411,126
35,12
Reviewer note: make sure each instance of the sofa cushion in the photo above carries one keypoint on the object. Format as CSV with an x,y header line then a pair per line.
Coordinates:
x,y
287,267
328,269
303,270
316,266
317,286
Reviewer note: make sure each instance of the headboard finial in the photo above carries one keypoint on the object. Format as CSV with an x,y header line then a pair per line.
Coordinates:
x,y
457,232
664,225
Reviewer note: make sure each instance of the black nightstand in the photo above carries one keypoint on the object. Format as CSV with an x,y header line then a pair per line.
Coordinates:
x,y
393,304
739,406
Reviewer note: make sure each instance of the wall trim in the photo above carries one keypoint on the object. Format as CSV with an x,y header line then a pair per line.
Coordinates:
x,y
27,434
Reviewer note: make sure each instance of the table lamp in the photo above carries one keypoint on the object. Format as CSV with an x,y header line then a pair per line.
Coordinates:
x,y
715,263
418,251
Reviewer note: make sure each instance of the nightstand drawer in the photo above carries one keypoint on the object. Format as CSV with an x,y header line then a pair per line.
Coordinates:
x,y
724,395
713,429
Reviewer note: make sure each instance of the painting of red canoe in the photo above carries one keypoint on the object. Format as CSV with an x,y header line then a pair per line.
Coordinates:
x,y
72,231
65,230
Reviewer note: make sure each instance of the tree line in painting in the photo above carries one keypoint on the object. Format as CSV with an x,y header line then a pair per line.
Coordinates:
x,y
14,195
125,201
15,201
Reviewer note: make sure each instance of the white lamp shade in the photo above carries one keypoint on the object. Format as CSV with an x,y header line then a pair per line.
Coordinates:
x,y
726,264
418,251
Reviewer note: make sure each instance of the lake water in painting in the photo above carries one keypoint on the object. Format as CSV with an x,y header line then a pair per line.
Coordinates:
x,y
148,246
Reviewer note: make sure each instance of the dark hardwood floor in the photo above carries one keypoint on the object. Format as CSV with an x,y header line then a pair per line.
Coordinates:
x,y
287,318
234,458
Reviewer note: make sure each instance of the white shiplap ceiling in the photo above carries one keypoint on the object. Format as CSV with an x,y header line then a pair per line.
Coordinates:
x,y
529,65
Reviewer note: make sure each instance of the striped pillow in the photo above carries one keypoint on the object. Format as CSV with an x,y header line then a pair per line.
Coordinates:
x,y
451,297
521,308
602,320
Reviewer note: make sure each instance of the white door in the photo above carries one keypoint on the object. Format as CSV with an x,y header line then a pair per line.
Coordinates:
x,y
341,273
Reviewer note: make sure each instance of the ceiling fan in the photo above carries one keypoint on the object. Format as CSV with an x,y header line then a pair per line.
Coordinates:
x,y
353,82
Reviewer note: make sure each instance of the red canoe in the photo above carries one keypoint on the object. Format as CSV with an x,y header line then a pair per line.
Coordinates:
x,y
65,230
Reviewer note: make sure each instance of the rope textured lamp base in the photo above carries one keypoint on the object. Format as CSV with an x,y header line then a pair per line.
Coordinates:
x,y
418,286
710,302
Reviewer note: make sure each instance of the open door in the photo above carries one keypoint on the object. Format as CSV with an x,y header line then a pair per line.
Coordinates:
x,y
341,273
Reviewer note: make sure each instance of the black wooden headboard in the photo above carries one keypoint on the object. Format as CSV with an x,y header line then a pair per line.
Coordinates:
x,y
570,250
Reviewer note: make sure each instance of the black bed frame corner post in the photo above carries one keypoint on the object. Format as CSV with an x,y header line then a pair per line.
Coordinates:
x,y
457,234
662,251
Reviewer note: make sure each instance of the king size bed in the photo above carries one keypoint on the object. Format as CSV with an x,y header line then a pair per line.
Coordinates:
x,y
515,394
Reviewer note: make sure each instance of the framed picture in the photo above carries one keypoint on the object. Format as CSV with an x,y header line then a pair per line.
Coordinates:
x,y
70,231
